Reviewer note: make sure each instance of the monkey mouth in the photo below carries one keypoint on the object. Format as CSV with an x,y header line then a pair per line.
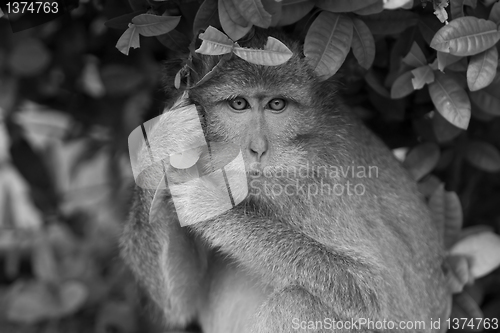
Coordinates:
x,y
253,173
254,169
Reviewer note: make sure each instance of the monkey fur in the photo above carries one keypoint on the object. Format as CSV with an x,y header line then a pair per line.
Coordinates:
x,y
276,260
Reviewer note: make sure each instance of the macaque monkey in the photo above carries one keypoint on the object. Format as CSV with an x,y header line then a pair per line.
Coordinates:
x,y
332,229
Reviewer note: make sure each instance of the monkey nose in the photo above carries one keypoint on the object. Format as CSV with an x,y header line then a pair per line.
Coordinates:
x,y
258,148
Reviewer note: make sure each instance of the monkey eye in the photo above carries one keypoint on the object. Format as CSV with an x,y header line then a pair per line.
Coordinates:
x,y
277,104
238,104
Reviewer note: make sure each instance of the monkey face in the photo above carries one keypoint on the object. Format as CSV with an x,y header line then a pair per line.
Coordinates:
x,y
261,109
279,116
262,124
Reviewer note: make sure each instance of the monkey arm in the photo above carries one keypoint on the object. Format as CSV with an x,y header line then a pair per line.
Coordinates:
x,y
285,257
165,258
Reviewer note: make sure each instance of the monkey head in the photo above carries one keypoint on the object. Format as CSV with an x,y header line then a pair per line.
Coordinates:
x,y
268,111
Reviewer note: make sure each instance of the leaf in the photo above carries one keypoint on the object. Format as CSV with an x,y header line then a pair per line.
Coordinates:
x,y
457,9
428,26
274,53
274,9
139,5
400,48
187,9
486,102
466,36
4,136
214,42
395,4
120,80
474,230
293,12
441,12
375,8
16,202
422,159
458,273
484,250
428,185
253,11
177,79
415,57
464,306
207,15
30,302
154,25
450,100
495,13
44,262
374,81
421,76
135,106
91,80
459,66
390,109
122,22
487,99
363,44
482,69
233,13
72,296
447,219
447,213
443,129
41,127
8,97
483,155
342,6
130,38
29,57
231,21
453,218
119,314
390,22
470,3
175,41
327,43
402,86
445,59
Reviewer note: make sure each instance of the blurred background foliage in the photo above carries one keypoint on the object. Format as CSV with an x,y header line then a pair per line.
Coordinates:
x,y
68,101
69,98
